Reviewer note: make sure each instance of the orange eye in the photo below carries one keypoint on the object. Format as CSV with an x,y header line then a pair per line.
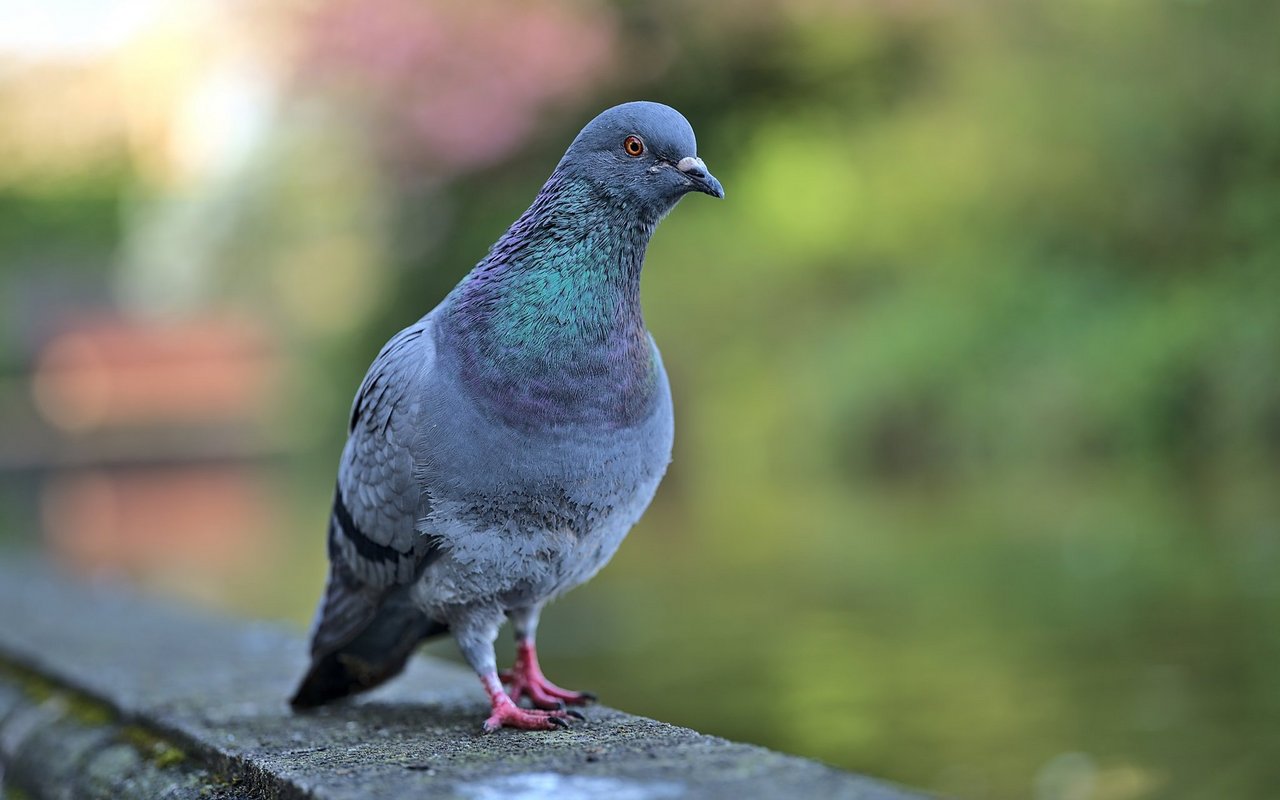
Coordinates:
x,y
633,146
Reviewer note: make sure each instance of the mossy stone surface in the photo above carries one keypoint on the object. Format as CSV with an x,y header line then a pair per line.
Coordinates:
x,y
119,695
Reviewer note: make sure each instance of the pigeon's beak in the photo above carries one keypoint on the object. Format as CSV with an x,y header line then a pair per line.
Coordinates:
x,y
696,171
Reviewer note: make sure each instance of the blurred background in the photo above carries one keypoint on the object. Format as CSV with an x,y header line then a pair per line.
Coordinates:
x,y
977,369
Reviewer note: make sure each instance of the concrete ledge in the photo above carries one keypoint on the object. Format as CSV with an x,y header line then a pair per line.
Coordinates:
x,y
105,693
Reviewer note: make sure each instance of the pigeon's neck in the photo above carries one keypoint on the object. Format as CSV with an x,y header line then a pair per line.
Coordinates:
x,y
547,328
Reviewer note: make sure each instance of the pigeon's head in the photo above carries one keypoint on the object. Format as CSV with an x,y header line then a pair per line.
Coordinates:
x,y
641,154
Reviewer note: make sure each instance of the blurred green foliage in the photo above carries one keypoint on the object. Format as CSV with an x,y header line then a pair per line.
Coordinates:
x,y
977,373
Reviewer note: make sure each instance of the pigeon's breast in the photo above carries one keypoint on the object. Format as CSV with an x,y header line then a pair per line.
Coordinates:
x,y
612,384
530,511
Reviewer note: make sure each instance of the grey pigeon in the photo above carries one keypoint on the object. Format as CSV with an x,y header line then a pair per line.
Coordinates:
x,y
501,447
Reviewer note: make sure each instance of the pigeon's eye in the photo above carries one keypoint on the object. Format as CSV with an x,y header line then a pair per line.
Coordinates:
x,y
633,146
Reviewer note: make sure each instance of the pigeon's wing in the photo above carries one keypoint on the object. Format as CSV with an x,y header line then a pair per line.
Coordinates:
x,y
378,499
366,625
374,545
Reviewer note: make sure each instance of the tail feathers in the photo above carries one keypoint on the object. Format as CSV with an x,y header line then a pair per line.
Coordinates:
x,y
330,678
376,655
362,638
339,675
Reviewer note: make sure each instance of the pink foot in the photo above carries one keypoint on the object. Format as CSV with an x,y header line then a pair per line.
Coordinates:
x,y
526,680
506,714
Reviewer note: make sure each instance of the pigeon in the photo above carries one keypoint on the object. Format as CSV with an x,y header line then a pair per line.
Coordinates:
x,y
500,448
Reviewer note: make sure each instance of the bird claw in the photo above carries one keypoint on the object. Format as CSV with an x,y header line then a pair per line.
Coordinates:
x,y
547,696
525,679
509,715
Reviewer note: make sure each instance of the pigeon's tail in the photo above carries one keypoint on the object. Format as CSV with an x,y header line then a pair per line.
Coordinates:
x,y
376,655
375,637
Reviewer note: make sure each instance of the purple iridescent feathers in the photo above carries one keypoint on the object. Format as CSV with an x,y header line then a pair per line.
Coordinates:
x,y
549,323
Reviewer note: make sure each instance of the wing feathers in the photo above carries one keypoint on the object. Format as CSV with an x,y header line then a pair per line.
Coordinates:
x,y
367,625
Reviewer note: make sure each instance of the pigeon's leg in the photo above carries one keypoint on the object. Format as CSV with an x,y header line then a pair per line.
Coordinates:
x,y
475,633
525,679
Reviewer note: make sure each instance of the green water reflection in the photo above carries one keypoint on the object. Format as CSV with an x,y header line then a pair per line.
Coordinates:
x,y
1107,634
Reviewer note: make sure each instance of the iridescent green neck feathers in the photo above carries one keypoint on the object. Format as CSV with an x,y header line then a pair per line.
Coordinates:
x,y
547,329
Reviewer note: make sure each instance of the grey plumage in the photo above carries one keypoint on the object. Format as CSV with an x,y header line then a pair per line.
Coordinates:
x,y
501,447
